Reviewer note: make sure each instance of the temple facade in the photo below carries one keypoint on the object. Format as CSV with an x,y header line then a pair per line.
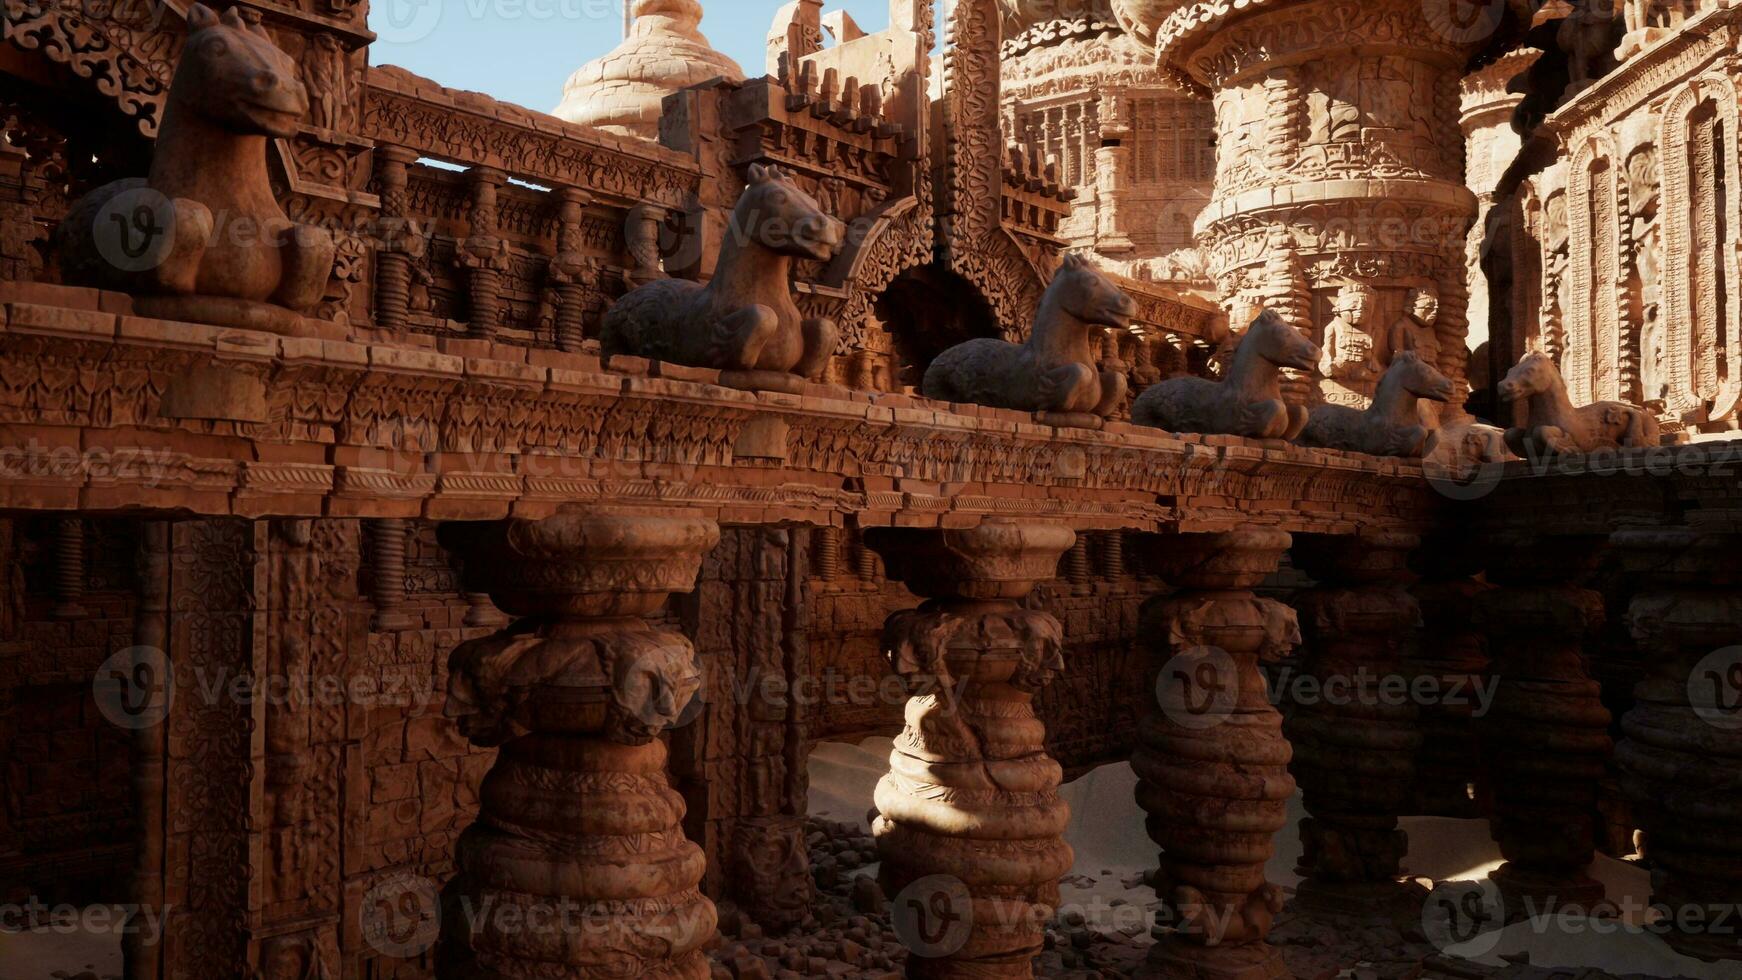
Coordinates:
x,y
438,534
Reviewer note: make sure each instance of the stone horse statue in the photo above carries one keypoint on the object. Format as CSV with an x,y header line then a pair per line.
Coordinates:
x,y
1392,425
1249,402
1054,372
202,238
1552,425
744,321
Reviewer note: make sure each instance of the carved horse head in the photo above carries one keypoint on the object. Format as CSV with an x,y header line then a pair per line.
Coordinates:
x,y
233,75
1534,374
776,214
1087,295
1273,340
1409,374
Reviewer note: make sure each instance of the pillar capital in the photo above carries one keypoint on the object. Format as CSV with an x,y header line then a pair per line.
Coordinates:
x,y
1239,559
995,560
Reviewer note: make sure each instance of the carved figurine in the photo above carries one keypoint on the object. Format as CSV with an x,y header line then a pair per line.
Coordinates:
x,y
1055,371
1348,353
1249,402
1551,425
744,321
202,237
1414,331
1392,425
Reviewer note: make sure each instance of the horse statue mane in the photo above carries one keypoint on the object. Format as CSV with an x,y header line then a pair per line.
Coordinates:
x,y
1392,425
1549,424
1249,401
202,238
744,322
1053,372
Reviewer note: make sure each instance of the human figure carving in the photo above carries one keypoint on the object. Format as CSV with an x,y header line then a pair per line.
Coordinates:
x,y
1392,425
202,237
1055,370
1348,353
1249,402
1414,331
744,321
1550,423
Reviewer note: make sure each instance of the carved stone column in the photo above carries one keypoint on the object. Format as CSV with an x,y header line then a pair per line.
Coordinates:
x,y
1356,737
971,824
569,268
69,568
578,821
401,240
1211,761
1546,739
642,234
1680,755
1453,653
484,254
387,573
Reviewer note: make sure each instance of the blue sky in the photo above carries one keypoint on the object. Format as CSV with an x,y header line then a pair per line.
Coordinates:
x,y
522,51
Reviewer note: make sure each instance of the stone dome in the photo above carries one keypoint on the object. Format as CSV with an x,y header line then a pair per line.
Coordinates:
x,y
622,90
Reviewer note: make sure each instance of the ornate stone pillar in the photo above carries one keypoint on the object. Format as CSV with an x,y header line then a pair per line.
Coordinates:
x,y
1356,736
578,822
401,241
484,254
1546,740
1211,761
570,268
970,826
642,235
1453,654
1680,755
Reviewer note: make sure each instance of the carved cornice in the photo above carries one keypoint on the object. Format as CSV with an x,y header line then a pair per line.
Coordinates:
x,y
402,109
380,431
1694,44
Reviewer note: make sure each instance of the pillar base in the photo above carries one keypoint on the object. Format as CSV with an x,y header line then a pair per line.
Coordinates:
x,y
1399,898
1174,959
1528,893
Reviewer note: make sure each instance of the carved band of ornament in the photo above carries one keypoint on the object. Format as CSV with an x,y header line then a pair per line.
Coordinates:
x,y
1198,41
1691,50
128,62
461,136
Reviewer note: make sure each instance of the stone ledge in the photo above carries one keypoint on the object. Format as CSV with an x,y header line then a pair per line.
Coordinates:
x,y
368,429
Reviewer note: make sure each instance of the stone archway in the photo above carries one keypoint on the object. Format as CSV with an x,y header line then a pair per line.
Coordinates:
x,y
927,310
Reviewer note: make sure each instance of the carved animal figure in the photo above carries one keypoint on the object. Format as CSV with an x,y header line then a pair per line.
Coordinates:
x,y
1550,424
1392,425
1054,371
202,236
1249,402
744,319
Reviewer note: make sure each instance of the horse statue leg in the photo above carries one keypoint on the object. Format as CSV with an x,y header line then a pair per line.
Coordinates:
x,y
179,271
1066,388
820,340
1297,420
739,336
1113,388
307,260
